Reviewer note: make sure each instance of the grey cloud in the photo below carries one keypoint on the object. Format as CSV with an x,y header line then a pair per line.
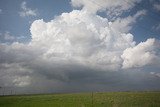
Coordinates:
x,y
79,51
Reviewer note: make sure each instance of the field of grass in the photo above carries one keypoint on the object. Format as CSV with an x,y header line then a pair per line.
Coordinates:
x,y
108,99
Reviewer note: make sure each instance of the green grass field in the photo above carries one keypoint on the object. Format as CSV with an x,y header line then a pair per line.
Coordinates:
x,y
108,99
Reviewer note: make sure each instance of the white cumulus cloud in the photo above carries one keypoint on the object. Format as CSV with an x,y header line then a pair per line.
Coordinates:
x,y
27,11
82,37
142,54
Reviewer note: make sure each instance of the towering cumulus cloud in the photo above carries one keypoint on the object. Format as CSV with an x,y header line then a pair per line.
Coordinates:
x,y
74,45
81,37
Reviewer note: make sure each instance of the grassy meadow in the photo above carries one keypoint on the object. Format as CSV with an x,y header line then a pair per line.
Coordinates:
x,y
106,99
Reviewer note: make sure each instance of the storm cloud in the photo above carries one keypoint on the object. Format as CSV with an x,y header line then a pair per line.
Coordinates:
x,y
82,51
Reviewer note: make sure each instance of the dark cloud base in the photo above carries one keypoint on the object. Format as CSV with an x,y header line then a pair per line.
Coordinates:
x,y
97,81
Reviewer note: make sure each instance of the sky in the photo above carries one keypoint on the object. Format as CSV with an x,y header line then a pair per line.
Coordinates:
x,y
79,45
